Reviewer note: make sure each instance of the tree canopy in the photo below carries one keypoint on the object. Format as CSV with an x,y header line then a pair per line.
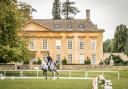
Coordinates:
x,y
120,42
13,15
56,11
108,46
120,38
68,9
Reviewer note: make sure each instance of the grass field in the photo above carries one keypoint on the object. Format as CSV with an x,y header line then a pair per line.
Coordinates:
x,y
65,84
45,84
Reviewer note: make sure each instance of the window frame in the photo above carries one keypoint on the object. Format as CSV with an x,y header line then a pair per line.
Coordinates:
x,y
45,45
69,45
32,44
57,26
69,26
58,47
44,57
81,26
58,57
93,59
83,45
70,57
93,44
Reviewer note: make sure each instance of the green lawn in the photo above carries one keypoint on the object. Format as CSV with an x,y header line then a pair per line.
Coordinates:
x,y
45,84
64,84
118,84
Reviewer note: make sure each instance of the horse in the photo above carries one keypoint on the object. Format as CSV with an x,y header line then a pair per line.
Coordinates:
x,y
53,69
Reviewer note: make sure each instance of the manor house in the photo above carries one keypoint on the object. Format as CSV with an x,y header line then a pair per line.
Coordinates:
x,y
73,39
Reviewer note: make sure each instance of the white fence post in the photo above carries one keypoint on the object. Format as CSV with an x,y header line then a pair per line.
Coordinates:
x,y
102,73
118,75
70,74
86,74
2,77
4,73
21,73
37,73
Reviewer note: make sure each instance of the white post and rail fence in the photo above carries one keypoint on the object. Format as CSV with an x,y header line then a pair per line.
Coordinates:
x,y
63,74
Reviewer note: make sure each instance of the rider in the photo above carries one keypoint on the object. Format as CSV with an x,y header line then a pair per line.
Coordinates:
x,y
49,60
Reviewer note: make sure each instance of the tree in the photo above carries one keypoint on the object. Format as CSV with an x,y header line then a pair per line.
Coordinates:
x,y
68,9
56,9
120,38
12,16
108,46
126,49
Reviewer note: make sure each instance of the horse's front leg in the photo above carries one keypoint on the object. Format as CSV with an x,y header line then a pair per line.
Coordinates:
x,y
52,74
45,73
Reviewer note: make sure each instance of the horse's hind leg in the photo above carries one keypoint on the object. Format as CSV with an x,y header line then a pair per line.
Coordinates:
x,y
57,74
45,74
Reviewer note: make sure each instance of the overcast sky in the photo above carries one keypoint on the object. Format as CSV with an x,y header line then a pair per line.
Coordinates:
x,y
107,14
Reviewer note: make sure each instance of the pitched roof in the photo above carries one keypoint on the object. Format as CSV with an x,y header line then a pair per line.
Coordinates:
x,y
75,23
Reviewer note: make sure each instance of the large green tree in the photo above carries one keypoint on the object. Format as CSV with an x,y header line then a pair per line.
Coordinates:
x,y
126,49
56,11
108,46
13,15
68,9
120,38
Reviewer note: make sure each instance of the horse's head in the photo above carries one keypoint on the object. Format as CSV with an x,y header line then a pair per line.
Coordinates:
x,y
43,65
40,67
56,63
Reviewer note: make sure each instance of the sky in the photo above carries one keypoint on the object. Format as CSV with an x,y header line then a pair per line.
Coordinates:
x,y
107,14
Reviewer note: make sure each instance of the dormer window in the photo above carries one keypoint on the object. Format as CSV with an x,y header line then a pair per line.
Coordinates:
x,y
57,26
81,26
69,27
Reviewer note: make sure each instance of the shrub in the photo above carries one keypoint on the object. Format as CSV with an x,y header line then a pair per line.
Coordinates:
x,y
87,61
64,61
101,62
34,61
125,62
107,61
117,60
39,61
26,62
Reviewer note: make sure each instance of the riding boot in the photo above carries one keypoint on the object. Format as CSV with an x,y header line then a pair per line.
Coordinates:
x,y
49,68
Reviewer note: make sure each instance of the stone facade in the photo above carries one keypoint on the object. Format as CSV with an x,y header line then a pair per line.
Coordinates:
x,y
7,67
73,39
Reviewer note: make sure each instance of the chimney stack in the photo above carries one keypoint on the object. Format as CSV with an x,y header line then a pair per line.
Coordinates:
x,y
88,14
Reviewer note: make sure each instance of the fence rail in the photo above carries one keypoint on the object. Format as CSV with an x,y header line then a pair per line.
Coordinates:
x,y
63,74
